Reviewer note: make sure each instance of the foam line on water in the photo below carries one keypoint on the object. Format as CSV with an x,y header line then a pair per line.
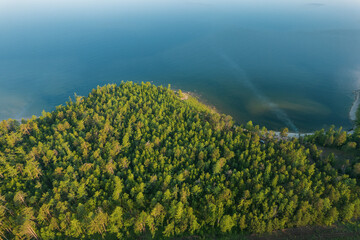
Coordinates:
x,y
280,114
22,112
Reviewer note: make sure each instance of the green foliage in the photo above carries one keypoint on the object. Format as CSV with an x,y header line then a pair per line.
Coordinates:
x,y
346,144
284,132
330,138
135,159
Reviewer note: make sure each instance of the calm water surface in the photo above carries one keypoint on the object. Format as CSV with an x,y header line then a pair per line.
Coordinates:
x,y
285,63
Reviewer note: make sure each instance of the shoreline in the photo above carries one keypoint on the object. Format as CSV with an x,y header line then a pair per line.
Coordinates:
x,y
352,114
355,106
276,132
293,134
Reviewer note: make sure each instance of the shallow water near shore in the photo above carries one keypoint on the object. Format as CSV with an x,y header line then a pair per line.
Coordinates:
x,y
292,64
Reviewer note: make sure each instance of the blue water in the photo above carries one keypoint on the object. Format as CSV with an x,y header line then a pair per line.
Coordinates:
x,y
285,63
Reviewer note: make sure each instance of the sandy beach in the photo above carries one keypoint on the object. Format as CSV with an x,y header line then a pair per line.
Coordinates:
x,y
293,135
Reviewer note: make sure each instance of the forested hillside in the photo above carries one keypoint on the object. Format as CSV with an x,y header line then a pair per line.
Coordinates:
x,y
341,148
137,159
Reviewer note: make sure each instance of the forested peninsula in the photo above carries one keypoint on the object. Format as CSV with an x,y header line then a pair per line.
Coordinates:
x,y
138,160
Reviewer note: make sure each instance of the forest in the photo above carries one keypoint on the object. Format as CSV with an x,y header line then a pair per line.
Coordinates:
x,y
134,160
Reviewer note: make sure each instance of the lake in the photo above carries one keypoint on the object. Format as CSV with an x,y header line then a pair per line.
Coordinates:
x,y
278,63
